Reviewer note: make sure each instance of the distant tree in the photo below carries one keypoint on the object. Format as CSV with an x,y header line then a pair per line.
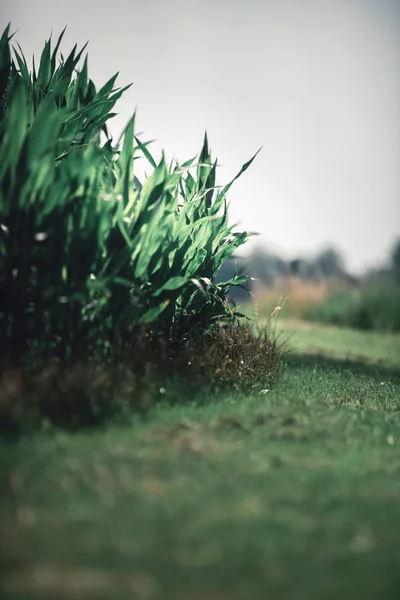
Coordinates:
x,y
305,269
395,260
330,263
265,266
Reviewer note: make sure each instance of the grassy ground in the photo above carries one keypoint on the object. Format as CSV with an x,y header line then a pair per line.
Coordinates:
x,y
294,493
347,343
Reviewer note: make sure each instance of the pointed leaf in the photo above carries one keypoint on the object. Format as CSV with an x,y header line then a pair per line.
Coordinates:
x,y
152,314
173,283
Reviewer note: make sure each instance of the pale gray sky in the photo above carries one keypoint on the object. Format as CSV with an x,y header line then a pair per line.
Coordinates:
x,y
315,82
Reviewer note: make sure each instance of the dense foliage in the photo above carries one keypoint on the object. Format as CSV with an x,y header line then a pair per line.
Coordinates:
x,y
88,253
369,307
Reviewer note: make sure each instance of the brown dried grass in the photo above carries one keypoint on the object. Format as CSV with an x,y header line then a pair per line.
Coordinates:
x,y
83,394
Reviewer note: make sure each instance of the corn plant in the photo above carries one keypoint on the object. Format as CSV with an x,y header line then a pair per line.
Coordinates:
x,y
178,229
53,226
86,249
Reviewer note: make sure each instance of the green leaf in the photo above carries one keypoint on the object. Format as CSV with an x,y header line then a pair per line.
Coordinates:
x,y
237,280
153,313
242,170
5,61
56,48
146,152
210,183
45,128
201,287
125,160
23,67
173,283
44,74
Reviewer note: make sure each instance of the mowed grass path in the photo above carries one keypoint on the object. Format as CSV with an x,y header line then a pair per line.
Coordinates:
x,y
294,494
343,342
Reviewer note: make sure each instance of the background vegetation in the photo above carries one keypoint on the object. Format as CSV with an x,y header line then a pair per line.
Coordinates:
x,y
320,289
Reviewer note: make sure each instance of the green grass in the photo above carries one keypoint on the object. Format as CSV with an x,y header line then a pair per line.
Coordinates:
x,y
294,493
343,342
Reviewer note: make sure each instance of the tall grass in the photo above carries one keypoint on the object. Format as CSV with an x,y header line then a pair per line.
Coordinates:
x,y
88,253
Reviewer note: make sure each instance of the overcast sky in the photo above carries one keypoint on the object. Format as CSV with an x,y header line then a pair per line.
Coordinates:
x,y
315,82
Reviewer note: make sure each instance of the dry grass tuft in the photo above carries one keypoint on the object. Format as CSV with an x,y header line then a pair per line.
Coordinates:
x,y
241,356
84,394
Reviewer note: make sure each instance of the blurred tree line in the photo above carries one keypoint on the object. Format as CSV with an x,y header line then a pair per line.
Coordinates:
x,y
267,268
